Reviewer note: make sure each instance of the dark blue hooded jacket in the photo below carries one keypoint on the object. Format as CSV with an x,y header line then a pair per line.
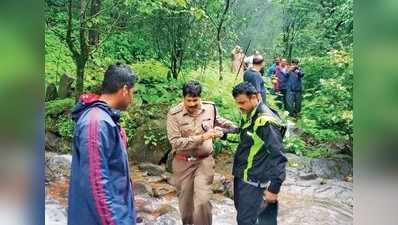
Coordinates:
x,y
294,81
100,191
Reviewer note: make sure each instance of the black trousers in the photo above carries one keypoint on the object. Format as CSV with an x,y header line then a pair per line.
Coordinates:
x,y
282,99
283,92
251,208
293,102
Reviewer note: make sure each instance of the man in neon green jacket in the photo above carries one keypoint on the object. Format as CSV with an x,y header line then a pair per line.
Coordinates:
x,y
259,162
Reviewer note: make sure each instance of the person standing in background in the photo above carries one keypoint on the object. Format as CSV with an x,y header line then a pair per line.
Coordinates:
x,y
253,76
271,73
294,88
271,69
280,81
237,57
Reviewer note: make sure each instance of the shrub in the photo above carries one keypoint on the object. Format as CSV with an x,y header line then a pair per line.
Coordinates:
x,y
327,107
56,107
58,118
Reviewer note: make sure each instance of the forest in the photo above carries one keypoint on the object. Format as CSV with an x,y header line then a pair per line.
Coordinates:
x,y
167,42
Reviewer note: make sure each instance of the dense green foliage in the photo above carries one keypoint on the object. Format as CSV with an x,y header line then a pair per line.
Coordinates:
x,y
167,42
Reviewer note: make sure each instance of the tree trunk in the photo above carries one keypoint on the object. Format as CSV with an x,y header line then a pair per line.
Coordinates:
x,y
289,56
219,29
220,68
93,32
80,68
173,66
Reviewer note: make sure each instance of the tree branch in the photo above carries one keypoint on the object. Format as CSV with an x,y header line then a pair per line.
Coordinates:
x,y
222,19
82,31
68,37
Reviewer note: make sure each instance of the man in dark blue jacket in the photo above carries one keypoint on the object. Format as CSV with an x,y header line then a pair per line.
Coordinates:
x,y
259,162
253,75
100,190
294,88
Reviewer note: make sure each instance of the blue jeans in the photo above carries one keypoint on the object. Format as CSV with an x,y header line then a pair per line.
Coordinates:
x,y
251,208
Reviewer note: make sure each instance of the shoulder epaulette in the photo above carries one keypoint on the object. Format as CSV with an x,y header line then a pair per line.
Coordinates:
x,y
208,102
176,109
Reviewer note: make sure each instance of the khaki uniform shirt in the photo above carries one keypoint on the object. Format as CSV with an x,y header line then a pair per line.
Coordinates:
x,y
184,130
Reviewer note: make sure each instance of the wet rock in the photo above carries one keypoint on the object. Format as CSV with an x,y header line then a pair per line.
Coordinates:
x,y
218,183
298,210
297,162
57,165
168,177
164,209
229,189
325,168
163,190
55,213
155,179
290,128
327,190
55,143
348,179
166,220
140,150
307,176
142,188
152,169
143,205
331,168
51,141
139,220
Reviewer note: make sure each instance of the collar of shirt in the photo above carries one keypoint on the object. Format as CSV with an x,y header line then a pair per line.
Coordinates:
x,y
197,112
248,120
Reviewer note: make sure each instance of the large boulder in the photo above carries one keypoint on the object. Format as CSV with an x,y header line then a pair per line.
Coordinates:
x,y
140,150
51,92
55,143
65,86
218,183
331,168
51,141
143,189
152,169
310,168
57,165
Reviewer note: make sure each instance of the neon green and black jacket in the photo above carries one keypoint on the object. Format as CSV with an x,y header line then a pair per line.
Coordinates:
x,y
259,157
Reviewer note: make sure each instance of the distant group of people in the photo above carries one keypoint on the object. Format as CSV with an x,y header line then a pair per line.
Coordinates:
x,y
286,79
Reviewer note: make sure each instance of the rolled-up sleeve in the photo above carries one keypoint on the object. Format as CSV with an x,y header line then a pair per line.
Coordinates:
x,y
222,122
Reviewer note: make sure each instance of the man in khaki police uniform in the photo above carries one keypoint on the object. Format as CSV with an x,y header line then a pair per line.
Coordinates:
x,y
191,126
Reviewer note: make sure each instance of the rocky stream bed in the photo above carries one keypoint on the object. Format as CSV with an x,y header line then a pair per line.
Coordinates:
x,y
316,192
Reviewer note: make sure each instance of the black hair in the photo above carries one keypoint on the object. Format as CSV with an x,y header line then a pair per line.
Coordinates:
x,y
258,59
245,88
295,61
116,76
192,88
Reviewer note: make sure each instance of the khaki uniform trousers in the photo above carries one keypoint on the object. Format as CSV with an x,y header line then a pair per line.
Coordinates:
x,y
193,181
